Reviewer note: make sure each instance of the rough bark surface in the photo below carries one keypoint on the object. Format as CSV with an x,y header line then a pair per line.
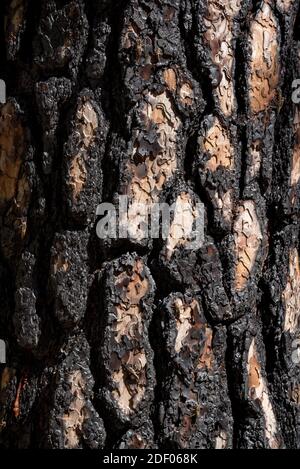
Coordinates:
x,y
143,343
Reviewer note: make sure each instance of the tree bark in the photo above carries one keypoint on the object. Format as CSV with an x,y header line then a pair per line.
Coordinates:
x,y
144,343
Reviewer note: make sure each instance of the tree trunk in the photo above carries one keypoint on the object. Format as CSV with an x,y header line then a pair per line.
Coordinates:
x,y
140,342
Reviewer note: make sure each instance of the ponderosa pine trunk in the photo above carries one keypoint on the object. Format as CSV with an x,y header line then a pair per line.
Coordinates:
x,y
147,344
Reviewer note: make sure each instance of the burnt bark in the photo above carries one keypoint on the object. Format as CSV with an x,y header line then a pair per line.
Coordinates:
x,y
141,342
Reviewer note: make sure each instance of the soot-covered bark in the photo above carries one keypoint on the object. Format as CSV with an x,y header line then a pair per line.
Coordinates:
x,y
140,342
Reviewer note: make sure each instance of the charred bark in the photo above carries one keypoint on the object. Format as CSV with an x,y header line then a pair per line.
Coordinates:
x,y
143,342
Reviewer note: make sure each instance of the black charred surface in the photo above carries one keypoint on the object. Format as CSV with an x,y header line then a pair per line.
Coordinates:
x,y
138,342
195,411
126,358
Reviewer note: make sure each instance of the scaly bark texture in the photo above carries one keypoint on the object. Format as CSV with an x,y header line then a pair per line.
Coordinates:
x,y
144,343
